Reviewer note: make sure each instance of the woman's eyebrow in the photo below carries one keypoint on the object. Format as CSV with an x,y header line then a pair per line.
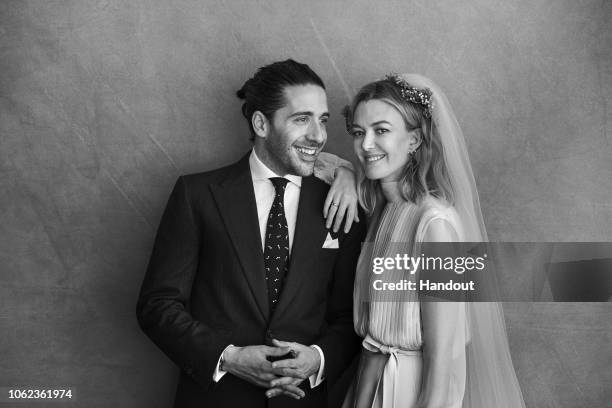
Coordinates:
x,y
380,122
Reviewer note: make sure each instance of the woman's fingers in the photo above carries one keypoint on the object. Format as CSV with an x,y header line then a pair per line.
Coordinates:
x,y
340,213
333,208
342,207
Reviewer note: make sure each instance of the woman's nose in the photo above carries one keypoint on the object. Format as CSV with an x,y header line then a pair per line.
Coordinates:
x,y
368,141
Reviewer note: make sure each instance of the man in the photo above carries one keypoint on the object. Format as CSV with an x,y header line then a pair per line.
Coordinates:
x,y
244,271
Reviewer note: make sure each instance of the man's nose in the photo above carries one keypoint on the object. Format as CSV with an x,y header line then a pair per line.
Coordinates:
x,y
317,133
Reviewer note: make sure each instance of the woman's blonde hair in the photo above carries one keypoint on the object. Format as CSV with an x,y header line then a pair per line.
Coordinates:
x,y
425,173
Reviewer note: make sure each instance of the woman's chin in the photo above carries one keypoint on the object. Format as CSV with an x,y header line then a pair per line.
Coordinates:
x,y
373,174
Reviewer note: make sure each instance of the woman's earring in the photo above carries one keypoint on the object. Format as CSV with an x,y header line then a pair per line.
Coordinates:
x,y
411,156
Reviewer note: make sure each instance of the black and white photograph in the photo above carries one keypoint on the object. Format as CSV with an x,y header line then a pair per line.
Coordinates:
x,y
270,204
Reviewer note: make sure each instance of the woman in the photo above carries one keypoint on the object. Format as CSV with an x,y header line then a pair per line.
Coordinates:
x,y
417,186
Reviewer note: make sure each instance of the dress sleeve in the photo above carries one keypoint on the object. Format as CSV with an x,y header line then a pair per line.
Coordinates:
x,y
447,215
443,325
326,165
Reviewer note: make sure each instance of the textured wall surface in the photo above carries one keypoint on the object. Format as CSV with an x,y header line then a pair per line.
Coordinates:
x,y
103,103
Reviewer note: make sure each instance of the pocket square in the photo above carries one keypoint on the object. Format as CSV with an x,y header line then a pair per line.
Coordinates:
x,y
330,243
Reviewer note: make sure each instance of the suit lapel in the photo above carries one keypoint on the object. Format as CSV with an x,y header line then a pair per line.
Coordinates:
x,y
235,199
309,236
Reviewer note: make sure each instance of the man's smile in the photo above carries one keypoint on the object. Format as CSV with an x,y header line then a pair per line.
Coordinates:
x,y
307,153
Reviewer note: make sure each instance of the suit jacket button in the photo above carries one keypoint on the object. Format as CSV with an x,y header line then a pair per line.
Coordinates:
x,y
269,335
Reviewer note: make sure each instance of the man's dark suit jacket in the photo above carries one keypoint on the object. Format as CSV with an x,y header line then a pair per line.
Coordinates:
x,y
205,287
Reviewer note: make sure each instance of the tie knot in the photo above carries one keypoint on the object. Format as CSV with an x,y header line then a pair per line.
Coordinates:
x,y
279,183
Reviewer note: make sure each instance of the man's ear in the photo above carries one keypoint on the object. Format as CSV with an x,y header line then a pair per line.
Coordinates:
x,y
261,125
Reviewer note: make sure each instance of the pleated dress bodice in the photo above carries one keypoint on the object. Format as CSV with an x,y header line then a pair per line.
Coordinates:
x,y
394,318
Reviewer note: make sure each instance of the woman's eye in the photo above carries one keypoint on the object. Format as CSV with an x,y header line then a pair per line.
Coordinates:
x,y
357,133
381,131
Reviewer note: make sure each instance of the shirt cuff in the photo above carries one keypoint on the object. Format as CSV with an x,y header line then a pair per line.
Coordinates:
x,y
218,373
317,378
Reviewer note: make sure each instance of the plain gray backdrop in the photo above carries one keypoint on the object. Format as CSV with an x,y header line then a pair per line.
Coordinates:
x,y
104,103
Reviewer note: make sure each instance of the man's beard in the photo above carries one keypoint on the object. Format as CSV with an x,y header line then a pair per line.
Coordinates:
x,y
287,160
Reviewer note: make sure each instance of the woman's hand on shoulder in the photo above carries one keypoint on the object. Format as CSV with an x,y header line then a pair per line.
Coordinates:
x,y
341,202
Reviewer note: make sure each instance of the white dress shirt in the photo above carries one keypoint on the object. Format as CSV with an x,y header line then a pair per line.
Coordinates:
x,y
264,197
265,193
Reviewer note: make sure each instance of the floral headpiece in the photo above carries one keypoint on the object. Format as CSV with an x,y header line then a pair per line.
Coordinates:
x,y
412,94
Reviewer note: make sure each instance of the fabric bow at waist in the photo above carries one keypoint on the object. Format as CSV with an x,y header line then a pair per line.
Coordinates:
x,y
386,390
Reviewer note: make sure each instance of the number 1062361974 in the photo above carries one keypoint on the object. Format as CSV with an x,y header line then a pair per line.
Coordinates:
x,y
15,394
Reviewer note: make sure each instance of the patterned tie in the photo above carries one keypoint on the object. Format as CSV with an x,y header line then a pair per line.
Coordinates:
x,y
276,250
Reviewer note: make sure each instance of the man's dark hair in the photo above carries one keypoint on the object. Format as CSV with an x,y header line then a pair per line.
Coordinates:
x,y
265,91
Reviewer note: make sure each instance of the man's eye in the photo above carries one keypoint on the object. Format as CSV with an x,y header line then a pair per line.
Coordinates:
x,y
301,119
324,121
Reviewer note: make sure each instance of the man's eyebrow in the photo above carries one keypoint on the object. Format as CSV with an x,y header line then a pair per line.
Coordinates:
x,y
307,113
302,113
